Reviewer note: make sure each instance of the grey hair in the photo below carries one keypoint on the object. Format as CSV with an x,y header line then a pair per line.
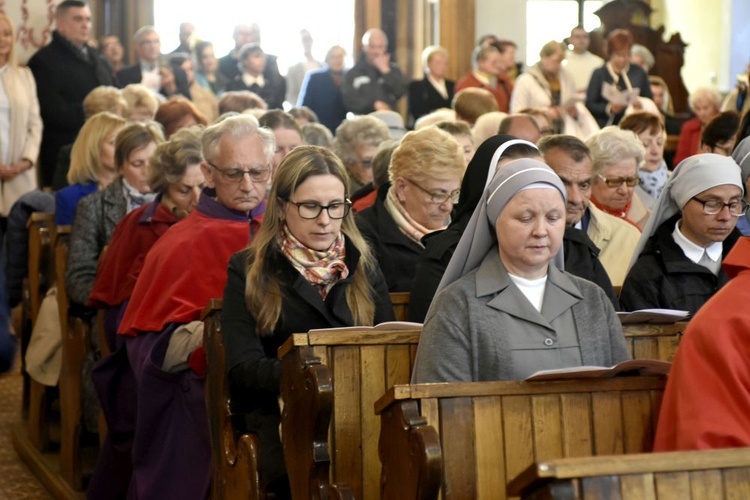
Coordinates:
x,y
705,93
429,52
143,30
366,130
643,53
237,127
613,144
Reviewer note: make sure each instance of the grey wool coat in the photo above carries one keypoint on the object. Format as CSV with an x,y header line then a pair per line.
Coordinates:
x,y
481,326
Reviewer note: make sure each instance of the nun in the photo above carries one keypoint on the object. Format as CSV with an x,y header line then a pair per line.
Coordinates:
x,y
505,307
692,229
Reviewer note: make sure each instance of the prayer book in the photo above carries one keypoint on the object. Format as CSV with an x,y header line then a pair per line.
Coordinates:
x,y
630,367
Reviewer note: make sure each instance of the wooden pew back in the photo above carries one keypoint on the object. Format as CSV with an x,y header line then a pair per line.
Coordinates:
x,y
712,474
489,432
349,370
654,341
235,467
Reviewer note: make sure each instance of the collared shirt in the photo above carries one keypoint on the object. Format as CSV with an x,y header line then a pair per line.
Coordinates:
x,y
695,252
150,76
439,86
251,80
486,79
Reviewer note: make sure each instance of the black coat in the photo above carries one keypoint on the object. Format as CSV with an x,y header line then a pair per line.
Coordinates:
x,y
581,259
663,277
64,76
273,92
424,99
132,74
252,361
597,104
396,253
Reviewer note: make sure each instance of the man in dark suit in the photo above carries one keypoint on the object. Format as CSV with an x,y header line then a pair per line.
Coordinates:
x,y
244,34
148,69
321,90
271,87
66,70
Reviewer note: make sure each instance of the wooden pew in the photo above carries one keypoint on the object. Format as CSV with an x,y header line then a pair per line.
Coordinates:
x,y
489,432
654,341
36,396
714,474
235,466
75,338
349,370
400,302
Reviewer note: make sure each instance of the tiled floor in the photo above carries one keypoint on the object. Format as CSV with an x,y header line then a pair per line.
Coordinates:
x,y
16,481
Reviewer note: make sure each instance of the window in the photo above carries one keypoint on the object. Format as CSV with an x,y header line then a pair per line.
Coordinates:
x,y
548,20
331,22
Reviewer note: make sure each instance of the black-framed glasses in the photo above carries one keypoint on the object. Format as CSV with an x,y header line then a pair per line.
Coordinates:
x,y
437,196
237,174
615,182
713,207
311,210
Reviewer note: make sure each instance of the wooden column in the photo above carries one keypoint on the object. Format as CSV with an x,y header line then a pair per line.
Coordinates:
x,y
458,34
367,14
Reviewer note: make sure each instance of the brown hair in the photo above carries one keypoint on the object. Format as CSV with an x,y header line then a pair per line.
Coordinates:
x,y
471,103
171,113
619,40
642,121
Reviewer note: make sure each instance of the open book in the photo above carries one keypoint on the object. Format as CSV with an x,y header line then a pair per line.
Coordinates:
x,y
653,316
616,96
630,367
388,325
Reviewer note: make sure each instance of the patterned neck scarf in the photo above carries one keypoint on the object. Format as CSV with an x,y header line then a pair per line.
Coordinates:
x,y
322,269
134,197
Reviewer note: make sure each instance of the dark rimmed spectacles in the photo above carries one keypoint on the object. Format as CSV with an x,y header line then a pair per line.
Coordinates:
x,y
437,196
713,207
615,182
310,210
237,174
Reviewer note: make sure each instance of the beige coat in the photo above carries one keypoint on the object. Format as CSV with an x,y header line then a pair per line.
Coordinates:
x,y
25,133
638,213
616,240
205,101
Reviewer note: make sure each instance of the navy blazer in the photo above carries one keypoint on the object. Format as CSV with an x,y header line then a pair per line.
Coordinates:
x,y
597,104
320,93
424,99
132,74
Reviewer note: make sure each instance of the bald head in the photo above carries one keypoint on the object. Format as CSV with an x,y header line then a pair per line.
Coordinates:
x,y
521,126
374,44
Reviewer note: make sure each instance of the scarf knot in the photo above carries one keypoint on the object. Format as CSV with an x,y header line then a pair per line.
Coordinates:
x,y
321,268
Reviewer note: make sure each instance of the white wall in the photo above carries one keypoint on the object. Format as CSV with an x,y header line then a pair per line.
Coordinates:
x,y
31,32
504,18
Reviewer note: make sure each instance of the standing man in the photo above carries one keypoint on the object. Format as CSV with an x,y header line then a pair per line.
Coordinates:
x,y
580,62
374,83
149,71
615,238
65,70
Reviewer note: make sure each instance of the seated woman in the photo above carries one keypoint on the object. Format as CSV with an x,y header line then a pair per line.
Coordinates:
x,y
616,155
99,213
207,72
92,164
178,113
356,142
549,87
175,176
308,267
720,135
649,128
286,131
620,76
706,104
692,229
505,307
425,176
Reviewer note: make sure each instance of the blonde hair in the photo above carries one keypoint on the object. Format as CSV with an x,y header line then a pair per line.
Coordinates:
x,y
552,48
263,290
12,59
104,98
85,157
429,52
139,99
427,153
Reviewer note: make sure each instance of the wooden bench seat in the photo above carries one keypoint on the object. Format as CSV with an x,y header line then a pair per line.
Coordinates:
x,y
235,455
468,440
654,341
330,382
709,474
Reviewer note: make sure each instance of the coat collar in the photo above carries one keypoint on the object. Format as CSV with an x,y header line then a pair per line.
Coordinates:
x,y
492,279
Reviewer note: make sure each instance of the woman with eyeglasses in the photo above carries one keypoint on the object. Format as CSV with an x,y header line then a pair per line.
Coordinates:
x,y
308,267
425,179
617,154
692,229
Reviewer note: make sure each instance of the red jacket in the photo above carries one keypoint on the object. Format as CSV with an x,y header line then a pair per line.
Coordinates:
x,y
707,400
502,92
690,138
